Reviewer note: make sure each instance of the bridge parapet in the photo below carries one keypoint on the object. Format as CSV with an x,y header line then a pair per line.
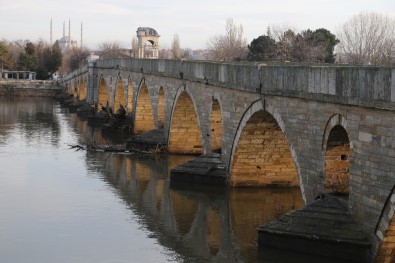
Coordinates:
x,y
75,73
352,85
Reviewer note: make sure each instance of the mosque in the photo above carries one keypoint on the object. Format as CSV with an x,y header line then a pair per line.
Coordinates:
x,y
66,42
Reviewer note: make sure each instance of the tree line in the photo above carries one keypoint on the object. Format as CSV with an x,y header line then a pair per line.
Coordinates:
x,y
366,39
40,57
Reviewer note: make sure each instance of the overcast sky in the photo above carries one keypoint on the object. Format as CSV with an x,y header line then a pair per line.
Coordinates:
x,y
194,21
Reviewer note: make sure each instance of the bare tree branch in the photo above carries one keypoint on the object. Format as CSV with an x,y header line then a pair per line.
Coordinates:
x,y
367,38
230,46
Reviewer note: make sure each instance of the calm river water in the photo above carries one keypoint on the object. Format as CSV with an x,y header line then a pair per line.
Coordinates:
x,y
62,205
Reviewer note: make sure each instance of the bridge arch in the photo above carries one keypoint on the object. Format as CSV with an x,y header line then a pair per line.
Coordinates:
x,y
216,125
102,98
184,133
120,98
75,88
144,117
82,90
385,231
337,151
261,154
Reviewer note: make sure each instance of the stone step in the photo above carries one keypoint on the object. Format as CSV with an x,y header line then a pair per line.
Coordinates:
x,y
324,227
208,169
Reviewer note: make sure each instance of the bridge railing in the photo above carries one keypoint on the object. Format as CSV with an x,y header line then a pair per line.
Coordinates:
x,y
75,73
359,85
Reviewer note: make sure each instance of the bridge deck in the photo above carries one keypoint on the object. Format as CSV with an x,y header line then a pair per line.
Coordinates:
x,y
324,227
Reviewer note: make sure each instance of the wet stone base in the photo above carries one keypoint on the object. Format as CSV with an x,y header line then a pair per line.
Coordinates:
x,y
324,228
152,142
206,169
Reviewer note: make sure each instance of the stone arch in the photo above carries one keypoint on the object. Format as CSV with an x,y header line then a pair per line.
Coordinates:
x,y
103,98
129,106
147,35
75,89
216,126
337,151
385,231
120,98
261,155
83,90
161,107
184,133
144,117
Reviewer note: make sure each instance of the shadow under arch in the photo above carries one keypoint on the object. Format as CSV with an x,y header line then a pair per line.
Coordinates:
x,y
184,133
120,98
336,147
261,155
75,89
144,117
385,231
216,125
82,90
102,97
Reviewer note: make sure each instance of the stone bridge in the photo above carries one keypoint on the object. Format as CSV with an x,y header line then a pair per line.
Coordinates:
x,y
325,129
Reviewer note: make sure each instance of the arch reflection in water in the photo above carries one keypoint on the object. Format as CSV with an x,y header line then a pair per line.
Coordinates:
x,y
199,223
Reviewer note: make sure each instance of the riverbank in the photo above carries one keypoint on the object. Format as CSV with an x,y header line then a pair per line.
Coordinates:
x,y
28,88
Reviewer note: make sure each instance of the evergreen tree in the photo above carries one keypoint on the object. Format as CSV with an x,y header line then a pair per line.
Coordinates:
x,y
3,54
28,59
325,38
262,48
55,59
50,59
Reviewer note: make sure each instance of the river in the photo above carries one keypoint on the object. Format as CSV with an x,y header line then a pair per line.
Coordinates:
x,y
60,204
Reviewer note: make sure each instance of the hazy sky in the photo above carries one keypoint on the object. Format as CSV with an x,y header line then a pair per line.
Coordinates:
x,y
194,21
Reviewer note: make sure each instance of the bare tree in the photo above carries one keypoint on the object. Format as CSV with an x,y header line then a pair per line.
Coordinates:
x,y
112,49
367,38
230,46
285,36
135,47
175,48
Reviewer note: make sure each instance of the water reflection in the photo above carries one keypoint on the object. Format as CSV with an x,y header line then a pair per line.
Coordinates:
x,y
31,117
200,223
196,223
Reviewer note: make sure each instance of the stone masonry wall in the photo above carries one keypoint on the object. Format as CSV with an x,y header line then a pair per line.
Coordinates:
x,y
144,120
262,156
185,136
